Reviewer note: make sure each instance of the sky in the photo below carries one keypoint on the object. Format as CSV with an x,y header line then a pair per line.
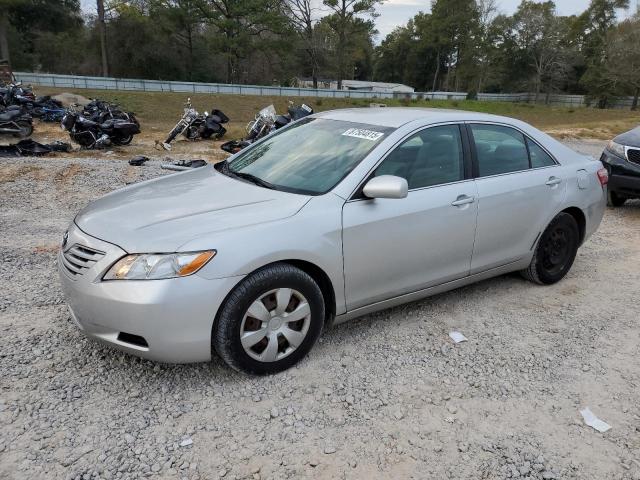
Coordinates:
x,y
394,13
397,12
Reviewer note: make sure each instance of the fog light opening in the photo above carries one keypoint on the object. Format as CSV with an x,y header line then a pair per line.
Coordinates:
x,y
136,340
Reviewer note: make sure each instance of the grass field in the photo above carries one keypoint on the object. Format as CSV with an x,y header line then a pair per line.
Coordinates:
x,y
159,111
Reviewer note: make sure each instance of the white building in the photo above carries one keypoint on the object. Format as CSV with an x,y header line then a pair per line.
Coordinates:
x,y
357,85
365,86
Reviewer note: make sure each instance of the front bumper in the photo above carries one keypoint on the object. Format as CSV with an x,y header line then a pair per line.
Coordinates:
x,y
624,176
173,317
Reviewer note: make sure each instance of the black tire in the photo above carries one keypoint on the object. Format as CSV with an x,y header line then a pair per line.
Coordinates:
x,y
226,332
25,127
555,252
173,134
614,199
122,140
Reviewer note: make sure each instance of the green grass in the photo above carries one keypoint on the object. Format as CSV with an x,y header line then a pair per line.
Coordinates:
x,y
163,109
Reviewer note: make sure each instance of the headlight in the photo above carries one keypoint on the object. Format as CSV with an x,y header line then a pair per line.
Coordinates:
x,y
618,149
155,266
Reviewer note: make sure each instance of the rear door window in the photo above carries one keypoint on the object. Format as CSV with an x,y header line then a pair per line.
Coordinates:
x,y
499,149
539,158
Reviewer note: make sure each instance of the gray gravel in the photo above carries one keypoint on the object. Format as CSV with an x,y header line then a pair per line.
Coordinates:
x,y
386,396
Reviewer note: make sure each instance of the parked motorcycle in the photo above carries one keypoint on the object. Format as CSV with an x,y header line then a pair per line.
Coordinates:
x,y
101,111
45,108
15,121
90,134
266,121
48,109
194,125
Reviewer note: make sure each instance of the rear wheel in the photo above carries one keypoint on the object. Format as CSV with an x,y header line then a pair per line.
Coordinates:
x,y
555,252
122,140
614,199
270,320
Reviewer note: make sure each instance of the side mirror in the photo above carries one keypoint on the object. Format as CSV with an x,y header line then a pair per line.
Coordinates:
x,y
386,186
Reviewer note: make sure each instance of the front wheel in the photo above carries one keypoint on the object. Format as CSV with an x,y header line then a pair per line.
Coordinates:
x,y
270,321
173,134
614,199
555,252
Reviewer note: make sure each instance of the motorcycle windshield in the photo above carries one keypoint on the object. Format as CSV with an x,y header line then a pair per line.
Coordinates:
x,y
268,113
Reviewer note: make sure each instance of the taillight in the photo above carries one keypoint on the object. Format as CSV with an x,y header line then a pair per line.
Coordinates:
x,y
603,176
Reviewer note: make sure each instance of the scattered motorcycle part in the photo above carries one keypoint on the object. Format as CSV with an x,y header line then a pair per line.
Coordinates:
x,y
138,160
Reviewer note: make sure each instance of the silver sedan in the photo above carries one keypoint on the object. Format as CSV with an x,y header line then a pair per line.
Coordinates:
x,y
335,216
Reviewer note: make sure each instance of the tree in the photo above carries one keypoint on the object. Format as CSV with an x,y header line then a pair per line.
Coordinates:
x,y
27,20
301,14
5,10
242,23
539,36
595,24
343,23
453,27
102,28
623,58
181,19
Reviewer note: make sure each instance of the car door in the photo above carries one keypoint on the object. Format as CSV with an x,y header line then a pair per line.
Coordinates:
x,y
397,246
520,187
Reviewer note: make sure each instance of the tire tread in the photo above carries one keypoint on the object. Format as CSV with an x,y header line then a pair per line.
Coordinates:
x,y
226,320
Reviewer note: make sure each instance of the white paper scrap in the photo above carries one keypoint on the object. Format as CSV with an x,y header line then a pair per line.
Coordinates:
x,y
593,421
186,442
457,337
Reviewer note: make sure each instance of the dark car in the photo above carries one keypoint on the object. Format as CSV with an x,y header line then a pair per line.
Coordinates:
x,y
622,160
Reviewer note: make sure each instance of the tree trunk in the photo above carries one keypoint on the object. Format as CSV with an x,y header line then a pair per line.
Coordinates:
x,y
190,60
634,104
102,27
4,43
435,76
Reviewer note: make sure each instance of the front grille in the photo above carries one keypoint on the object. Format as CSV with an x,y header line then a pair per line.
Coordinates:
x,y
633,155
79,258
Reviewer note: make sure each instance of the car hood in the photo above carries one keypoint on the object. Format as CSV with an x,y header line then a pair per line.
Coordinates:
x,y
630,138
162,214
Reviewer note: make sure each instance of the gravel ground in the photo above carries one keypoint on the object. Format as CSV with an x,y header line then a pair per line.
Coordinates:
x,y
386,396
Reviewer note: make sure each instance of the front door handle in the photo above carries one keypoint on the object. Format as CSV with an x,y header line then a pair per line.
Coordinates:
x,y
463,200
553,181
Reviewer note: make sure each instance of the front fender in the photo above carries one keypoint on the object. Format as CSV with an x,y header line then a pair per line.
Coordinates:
x,y
313,235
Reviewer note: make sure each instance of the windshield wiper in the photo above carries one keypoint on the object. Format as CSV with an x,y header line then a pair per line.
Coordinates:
x,y
223,167
253,179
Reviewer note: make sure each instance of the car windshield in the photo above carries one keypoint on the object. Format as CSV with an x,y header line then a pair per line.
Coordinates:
x,y
310,156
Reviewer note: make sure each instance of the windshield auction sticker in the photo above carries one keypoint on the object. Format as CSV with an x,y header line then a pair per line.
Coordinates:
x,y
362,133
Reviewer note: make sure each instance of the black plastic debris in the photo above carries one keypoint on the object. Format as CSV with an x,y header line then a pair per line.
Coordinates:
x,y
29,148
183,165
138,160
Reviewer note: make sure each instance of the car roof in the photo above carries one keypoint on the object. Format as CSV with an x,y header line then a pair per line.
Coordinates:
x,y
397,116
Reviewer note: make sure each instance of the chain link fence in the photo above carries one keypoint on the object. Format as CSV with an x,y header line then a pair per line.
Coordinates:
x,y
125,84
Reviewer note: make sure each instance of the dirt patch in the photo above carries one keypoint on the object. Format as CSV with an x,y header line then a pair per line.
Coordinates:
x,y
14,172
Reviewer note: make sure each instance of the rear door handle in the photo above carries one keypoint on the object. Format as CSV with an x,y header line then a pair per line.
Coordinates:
x,y
463,200
553,181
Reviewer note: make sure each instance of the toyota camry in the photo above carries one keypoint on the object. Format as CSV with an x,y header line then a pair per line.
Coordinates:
x,y
335,216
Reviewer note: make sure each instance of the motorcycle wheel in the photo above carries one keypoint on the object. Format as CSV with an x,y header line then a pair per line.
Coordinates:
x,y
26,129
122,140
191,133
221,133
206,134
173,134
